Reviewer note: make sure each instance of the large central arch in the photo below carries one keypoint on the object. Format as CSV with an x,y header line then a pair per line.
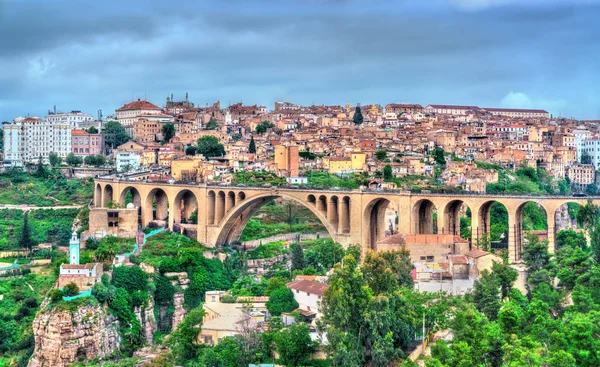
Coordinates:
x,y
423,217
236,219
374,219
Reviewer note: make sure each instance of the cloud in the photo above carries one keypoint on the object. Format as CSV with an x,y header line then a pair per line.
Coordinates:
x,y
473,5
523,100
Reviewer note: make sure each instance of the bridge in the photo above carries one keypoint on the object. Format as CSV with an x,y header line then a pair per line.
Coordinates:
x,y
350,216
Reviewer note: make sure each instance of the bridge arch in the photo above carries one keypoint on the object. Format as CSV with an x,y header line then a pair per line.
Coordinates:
x,y
135,196
107,196
98,196
452,215
157,204
185,212
525,225
422,214
235,220
374,219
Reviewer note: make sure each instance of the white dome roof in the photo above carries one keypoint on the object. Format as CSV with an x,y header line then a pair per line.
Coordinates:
x,y
130,206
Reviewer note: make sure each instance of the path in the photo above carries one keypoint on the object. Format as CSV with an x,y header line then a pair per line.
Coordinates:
x,y
31,207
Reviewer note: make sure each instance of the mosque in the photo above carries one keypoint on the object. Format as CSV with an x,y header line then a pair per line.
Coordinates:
x,y
84,275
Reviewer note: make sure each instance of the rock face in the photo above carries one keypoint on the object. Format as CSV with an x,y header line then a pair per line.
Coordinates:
x,y
147,320
179,312
63,337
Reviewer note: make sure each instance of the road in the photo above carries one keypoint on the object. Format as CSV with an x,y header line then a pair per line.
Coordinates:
x,y
31,207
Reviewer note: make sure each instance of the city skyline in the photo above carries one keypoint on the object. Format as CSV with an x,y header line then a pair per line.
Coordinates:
x,y
528,54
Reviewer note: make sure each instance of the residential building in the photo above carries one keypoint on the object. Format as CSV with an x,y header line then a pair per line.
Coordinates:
x,y
84,143
128,114
308,294
74,118
588,152
581,174
127,160
450,109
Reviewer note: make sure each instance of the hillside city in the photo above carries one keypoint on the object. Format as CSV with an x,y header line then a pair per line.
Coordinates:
x,y
171,234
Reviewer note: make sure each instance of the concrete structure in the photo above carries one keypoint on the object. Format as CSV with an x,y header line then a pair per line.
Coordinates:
x,y
308,294
287,159
517,112
350,217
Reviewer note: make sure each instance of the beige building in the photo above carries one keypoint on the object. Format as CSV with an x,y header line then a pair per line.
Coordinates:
x,y
287,159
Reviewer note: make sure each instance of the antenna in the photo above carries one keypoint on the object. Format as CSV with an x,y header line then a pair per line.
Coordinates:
x,y
100,115
55,109
171,96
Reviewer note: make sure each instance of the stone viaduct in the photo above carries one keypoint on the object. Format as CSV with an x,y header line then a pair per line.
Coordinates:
x,y
350,216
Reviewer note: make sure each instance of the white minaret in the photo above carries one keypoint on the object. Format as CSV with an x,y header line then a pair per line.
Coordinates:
x,y
74,249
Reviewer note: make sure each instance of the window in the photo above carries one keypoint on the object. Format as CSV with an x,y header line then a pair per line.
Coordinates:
x,y
429,258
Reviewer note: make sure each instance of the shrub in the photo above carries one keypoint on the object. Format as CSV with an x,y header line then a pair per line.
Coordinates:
x,y
71,289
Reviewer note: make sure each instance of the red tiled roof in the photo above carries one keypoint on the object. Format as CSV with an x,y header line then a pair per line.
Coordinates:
x,y
78,266
138,105
458,259
515,110
308,286
476,253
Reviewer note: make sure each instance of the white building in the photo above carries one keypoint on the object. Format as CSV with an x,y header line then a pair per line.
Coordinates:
x,y
450,109
127,160
84,275
308,294
74,118
133,111
517,112
589,148
29,138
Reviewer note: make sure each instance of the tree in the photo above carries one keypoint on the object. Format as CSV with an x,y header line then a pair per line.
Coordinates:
x,y
54,159
168,132
298,262
191,150
438,155
73,160
252,146
294,345
114,134
387,173
281,300
132,278
263,127
324,254
95,160
184,341
381,155
358,117
41,169
211,125
587,216
387,271
209,146
71,290
92,130
486,295
506,277
535,253
25,240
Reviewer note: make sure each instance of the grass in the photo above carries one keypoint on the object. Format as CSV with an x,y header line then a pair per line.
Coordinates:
x,y
167,244
267,250
46,225
18,187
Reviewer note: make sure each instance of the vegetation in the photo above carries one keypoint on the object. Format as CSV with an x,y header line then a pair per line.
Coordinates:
x,y
19,187
263,127
209,146
358,116
114,134
211,125
168,132
281,300
45,225
252,146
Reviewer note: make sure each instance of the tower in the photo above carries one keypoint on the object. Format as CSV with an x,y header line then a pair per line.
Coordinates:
x,y
74,249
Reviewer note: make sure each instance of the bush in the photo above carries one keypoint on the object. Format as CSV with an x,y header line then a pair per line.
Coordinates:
x,y
56,295
132,278
281,300
71,290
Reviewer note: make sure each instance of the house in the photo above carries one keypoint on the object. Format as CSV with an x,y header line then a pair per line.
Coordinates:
x,y
308,294
229,319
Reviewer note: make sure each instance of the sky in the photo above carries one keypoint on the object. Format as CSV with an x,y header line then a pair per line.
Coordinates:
x,y
82,55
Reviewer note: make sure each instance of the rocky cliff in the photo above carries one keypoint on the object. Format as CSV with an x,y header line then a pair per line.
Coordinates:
x,y
63,337
179,312
147,320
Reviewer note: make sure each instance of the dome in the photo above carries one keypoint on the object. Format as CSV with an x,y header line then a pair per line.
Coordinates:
x,y
130,206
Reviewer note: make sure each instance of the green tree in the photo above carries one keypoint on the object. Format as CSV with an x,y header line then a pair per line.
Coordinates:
x,y
54,159
486,295
298,262
358,116
95,160
209,146
252,146
73,160
381,155
92,130
114,134
387,271
505,276
41,169
570,238
131,278
71,289
387,173
184,340
263,127
211,124
281,301
587,216
324,254
438,155
535,253
294,345
190,150
168,132
25,240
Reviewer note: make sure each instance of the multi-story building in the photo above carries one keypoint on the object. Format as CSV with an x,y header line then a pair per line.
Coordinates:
x,y
30,138
450,109
147,129
73,118
517,112
287,159
581,174
84,143
133,111
588,152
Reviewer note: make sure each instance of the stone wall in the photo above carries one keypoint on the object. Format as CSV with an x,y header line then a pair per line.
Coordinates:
x,y
63,337
289,237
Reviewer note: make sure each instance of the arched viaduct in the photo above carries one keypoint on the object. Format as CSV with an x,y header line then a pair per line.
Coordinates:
x,y
351,216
